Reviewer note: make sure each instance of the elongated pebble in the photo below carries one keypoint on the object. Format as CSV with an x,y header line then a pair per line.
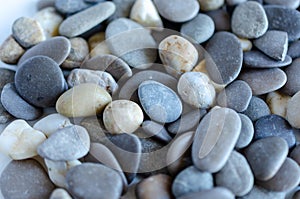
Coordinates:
x,y
10,51
257,108
289,3
217,192
59,193
292,110
277,103
247,132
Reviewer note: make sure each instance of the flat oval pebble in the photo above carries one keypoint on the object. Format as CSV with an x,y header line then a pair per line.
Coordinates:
x,y
288,3
220,70
292,72
236,96
266,156
40,81
66,144
256,109
99,182
249,20
247,132
221,19
284,19
177,10
56,48
277,103
70,7
213,143
292,111
25,179
259,192
156,130
294,49
159,102
217,192
10,51
59,193
211,4
85,20
264,81
19,108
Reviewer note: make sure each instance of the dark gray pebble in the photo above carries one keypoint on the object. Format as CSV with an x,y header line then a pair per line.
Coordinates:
x,y
295,154
294,49
7,76
247,132
261,193
156,130
221,19
292,72
70,6
294,4
256,109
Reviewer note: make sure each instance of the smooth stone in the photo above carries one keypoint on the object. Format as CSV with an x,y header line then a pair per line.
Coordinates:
x,y
295,154
157,186
264,81
221,19
10,51
5,117
56,48
70,7
247,132
7,76
246,44
123,8
266,156
20,141
200,29
294,4
210,4
176,10
286,179
236,96
66,144
217,192
101,78
259,192
99,182
277,103
214,143
156,130
83,100
256,109
292,72
79,52
234,2
294,49
87,19
191,180
236,175
40,81
220,70
284,19
25,179
256,59
96,39
41,4
159,102
27,32
178,53
95,129
109,63
293,108
19,108
196,90
52,123
59,193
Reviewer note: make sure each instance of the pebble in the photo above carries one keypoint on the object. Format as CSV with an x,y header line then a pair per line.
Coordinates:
x,y
200,29
292,72
79,52
264,81
296,195
145,13
273,43
100,49
236,175
123,8
95,129
221,19
286,179
20,141
277,103
220,70
27,32
20,108
52,123
5,117
247,132
41,4
157,186
96,39
284,19
294,4
70,7
83,100
211,4
208,153
87,19
191,180
159,102
295,154
99,182
156,130
101,78
177,10
234,2
236,96
217,192
292,111
259,192
40,81
246,44
10,51
256,109
266,156
56,48
122,116
66,144
196,90
178,53
249,20
25,179
294,49
59,193
7,76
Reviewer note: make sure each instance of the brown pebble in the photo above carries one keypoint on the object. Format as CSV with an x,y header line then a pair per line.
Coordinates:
x,y
10,51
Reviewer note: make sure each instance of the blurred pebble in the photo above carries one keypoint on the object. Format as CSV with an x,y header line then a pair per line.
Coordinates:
x,y
292,72
295,154
156,130
123,8
211,4
278,103
217,192
294,4
234,2
259,192
256,109
221,19
246,44
70,7
294,49
247,132
10,51
41,4
59,193
96,39
293,108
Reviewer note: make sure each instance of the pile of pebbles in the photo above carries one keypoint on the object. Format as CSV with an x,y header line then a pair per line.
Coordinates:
x,y
161,99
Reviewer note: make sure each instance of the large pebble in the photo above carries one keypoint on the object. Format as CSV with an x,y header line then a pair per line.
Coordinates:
x,y
70,7
159,102
59,193
247,132
99,182
10,51
292,111
217,192
83,100
156,130
83,21
256,109
288,3
177,10
259,192
224,45
66,144
25,180
266,156
292,72
214,143
277,103
210,4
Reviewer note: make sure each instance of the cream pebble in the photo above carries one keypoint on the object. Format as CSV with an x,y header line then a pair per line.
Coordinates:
x,y
246,44
293,110
60,194
277,103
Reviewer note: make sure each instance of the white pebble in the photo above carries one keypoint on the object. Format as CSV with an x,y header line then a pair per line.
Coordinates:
x,y
277,103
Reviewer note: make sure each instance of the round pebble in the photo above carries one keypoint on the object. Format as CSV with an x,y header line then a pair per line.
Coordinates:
x,y
217,192
221,19
292,72
292,111
294,49
211,4
277,103
10,51
256,109
156,130
294,4
69,7
246,44
60,194
247,132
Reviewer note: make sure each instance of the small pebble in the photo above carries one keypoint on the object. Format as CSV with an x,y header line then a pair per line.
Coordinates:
x,y
294,4
221,19
292,72
293,108
246,44
211,4
256,109
5,117
247,132
259,192
96,39
123,8
217,192
156,130
7,76
70,7
277,103
10,51
295,154
41,4
234,2
294,49
101,49
60,194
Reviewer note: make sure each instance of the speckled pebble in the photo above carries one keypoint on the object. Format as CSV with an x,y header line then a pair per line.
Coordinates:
x,y
247,132
293,109
10,51
256,109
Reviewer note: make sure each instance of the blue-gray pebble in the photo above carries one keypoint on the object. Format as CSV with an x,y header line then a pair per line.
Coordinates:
x,y
257,108
294,49
292,72
70,6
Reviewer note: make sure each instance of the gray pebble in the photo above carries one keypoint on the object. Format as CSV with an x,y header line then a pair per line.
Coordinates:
x,y
123,8
70,6
41,4
294,49
247,132
295,154
292,72
7,76
217,192
294,4
10,51
5,117
234,2
95,129
221,19
256,109
156,130
261,193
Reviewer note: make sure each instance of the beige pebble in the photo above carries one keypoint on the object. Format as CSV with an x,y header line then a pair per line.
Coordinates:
x,y
178,53
100,49
207,5
10,51
277,103
122,116
83,100
293,110
60,194
246,44
20,141
96,39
